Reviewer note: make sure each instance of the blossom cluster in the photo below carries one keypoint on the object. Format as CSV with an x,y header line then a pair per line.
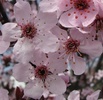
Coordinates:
x,y
60,34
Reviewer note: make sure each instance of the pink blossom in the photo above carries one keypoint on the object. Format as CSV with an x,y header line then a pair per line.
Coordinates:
x,y
73,12
71,45
95,29
43,75
31,29
76,13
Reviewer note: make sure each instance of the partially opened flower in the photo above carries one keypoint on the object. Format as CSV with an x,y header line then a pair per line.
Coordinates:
x,y
72,46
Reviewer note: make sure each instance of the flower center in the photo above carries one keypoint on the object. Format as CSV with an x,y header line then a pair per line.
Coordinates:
x,y
71,45
98,22
41,72
81,4
28,31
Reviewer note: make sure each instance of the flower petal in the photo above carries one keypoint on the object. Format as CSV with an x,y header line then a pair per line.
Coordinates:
x,y
33,90
23,72
47,42
64,20
70,21
93,96
60,33
92,48
22,11
57,61
3,45
78,66
9,31
76,34
55,84
45,21
48,5
74,95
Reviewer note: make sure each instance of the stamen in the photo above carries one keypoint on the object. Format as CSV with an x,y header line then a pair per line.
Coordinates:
x,y
41,72
81,4
28,30
71,45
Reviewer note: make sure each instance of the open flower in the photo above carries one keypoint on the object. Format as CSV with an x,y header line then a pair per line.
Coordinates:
x,y
31,29
95,29
78,12
72,46
73,13
43,75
